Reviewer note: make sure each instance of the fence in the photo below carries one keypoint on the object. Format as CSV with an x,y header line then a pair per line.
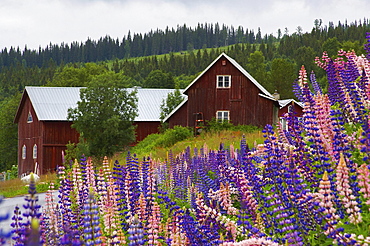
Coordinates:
x,y
4,176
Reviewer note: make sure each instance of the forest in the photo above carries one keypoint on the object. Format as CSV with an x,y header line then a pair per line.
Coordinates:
x,y
176,54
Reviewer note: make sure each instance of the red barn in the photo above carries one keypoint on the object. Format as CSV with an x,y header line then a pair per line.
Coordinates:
x,y
226,91
44,131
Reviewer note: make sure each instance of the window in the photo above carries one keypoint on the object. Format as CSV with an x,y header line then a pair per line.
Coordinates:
x,y
35,151
283,123
24,152
222,116
29,118
223,81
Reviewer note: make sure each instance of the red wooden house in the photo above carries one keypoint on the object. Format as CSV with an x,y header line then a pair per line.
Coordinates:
x,y
226,91
44,131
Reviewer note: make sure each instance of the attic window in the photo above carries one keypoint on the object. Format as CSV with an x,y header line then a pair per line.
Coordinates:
x,y
222,116
29,118
223,81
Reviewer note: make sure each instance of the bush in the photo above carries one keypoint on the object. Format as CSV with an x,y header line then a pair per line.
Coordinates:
x,y
147,144
174,135
166,139
215,126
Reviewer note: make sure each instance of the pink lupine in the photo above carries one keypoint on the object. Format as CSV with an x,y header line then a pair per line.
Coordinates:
x,y
142,208
325,198
174,232
106,169
252,242
208,212
223,196
153,225
364,182
51,215
90,174
324,124
345,192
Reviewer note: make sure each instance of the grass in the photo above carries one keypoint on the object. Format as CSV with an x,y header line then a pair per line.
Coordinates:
x,y
211,140
16,187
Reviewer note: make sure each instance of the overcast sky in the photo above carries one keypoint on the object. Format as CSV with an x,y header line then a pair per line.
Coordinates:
x,y
38,22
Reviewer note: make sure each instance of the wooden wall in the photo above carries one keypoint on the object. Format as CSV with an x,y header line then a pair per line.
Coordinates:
x,y
29,134
144,128
56,135
242,99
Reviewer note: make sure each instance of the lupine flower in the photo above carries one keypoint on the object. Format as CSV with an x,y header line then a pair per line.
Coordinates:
x,y
345,192
3,234
136,233
91,225
364,182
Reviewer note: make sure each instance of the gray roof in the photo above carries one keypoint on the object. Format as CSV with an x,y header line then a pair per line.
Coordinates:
x,y
52,103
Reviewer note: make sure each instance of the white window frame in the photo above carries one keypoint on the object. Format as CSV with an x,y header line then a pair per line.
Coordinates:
x,y
223,115
29,118
24,152
220,81
34,152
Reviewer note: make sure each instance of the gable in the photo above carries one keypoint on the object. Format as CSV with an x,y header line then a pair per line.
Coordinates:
x,y
238,67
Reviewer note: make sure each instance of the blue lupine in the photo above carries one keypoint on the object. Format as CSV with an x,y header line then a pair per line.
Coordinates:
x,y
3,234
91,224
136,233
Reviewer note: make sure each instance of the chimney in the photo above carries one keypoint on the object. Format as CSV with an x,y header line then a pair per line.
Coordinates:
x,y
276,95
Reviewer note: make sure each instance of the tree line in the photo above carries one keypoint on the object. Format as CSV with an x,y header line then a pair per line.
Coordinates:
x,y
181,38
273,60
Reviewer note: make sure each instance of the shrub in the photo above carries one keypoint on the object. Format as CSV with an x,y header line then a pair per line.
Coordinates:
x,y
174,135
215,126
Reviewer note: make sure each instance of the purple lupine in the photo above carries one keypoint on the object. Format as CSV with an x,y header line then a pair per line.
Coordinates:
x,y
315,85
133,183
3,234
68,221
91,225
136,233
119,176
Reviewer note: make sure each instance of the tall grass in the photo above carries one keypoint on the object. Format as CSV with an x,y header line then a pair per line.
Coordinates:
x,y
212,139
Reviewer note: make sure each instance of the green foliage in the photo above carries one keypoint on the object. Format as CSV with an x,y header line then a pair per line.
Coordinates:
x,y
216,126
331,46
13,172
72,76
174,135
172,101
104,115
75,151
8,132
256,66
183,80
166,139
281,77
159,79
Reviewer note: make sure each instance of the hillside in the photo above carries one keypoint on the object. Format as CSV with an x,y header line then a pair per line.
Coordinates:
x,y
178,54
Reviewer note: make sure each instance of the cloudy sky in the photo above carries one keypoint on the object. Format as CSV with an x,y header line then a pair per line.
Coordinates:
x,y
38,22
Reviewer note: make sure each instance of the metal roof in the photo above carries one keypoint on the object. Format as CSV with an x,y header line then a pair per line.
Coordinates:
x,y
52,103
284,102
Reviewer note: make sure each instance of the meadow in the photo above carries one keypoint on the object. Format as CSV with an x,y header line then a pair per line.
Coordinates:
x,y
305,185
